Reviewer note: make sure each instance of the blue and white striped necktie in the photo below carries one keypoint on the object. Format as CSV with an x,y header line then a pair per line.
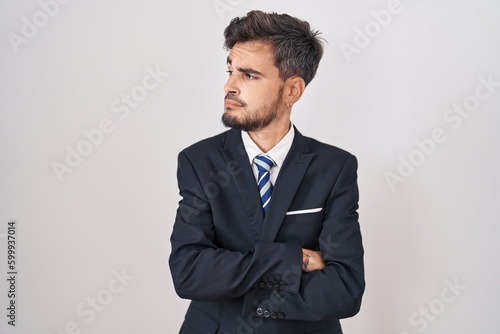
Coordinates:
x,y
264,164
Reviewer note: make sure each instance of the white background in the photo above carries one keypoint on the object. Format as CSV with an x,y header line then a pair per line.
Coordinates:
x,y
114,211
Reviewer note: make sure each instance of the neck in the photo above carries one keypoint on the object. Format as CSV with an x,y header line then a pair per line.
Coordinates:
x,y
270,136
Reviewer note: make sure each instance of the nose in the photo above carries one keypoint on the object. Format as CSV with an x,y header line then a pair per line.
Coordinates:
x,y
231,86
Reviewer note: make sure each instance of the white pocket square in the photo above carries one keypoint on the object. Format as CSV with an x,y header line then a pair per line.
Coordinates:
x,y
301,212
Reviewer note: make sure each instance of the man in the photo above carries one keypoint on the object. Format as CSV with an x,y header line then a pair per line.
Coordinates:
x,y
266,238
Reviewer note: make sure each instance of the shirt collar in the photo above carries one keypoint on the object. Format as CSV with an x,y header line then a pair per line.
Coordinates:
x,y
277,153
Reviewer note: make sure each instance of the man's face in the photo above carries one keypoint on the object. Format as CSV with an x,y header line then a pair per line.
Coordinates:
x,y
254,90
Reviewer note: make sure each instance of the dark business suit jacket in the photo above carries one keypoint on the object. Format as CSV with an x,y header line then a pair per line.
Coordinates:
x,y
242,269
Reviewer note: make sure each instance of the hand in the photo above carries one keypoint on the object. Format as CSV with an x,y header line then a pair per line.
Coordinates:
x,y
312,260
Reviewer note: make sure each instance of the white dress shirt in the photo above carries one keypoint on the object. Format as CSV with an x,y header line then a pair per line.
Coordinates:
x,y
277,153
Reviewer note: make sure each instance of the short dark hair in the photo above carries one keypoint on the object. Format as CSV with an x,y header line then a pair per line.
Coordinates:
x,y
297,48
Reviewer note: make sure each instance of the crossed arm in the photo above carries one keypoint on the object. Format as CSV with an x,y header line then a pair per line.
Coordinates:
x,y
325,284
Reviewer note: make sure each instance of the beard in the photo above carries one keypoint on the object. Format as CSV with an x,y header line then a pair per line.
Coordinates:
x,y
252,120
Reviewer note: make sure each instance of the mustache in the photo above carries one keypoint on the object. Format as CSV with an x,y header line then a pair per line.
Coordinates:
x,y
230,96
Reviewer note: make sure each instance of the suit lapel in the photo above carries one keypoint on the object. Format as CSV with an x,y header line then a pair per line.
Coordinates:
x,y
289,178
234,153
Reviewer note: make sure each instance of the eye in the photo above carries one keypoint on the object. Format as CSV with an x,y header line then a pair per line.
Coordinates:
x,y
251,77
229,72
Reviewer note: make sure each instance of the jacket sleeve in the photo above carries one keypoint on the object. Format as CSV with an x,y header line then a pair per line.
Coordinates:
x,y
334,292
201,270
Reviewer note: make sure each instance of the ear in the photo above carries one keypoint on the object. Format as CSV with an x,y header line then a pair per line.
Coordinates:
x,y
294,89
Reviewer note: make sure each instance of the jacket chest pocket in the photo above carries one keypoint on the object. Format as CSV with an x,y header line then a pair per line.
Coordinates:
x,y
301,227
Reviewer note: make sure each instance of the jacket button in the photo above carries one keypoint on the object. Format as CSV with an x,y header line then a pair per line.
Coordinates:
x,y
269,285
262,284
260,311
276,284
267,313
274,315
281,315
283,284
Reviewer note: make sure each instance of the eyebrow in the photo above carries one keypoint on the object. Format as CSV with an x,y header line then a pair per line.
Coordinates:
x,y
247,70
